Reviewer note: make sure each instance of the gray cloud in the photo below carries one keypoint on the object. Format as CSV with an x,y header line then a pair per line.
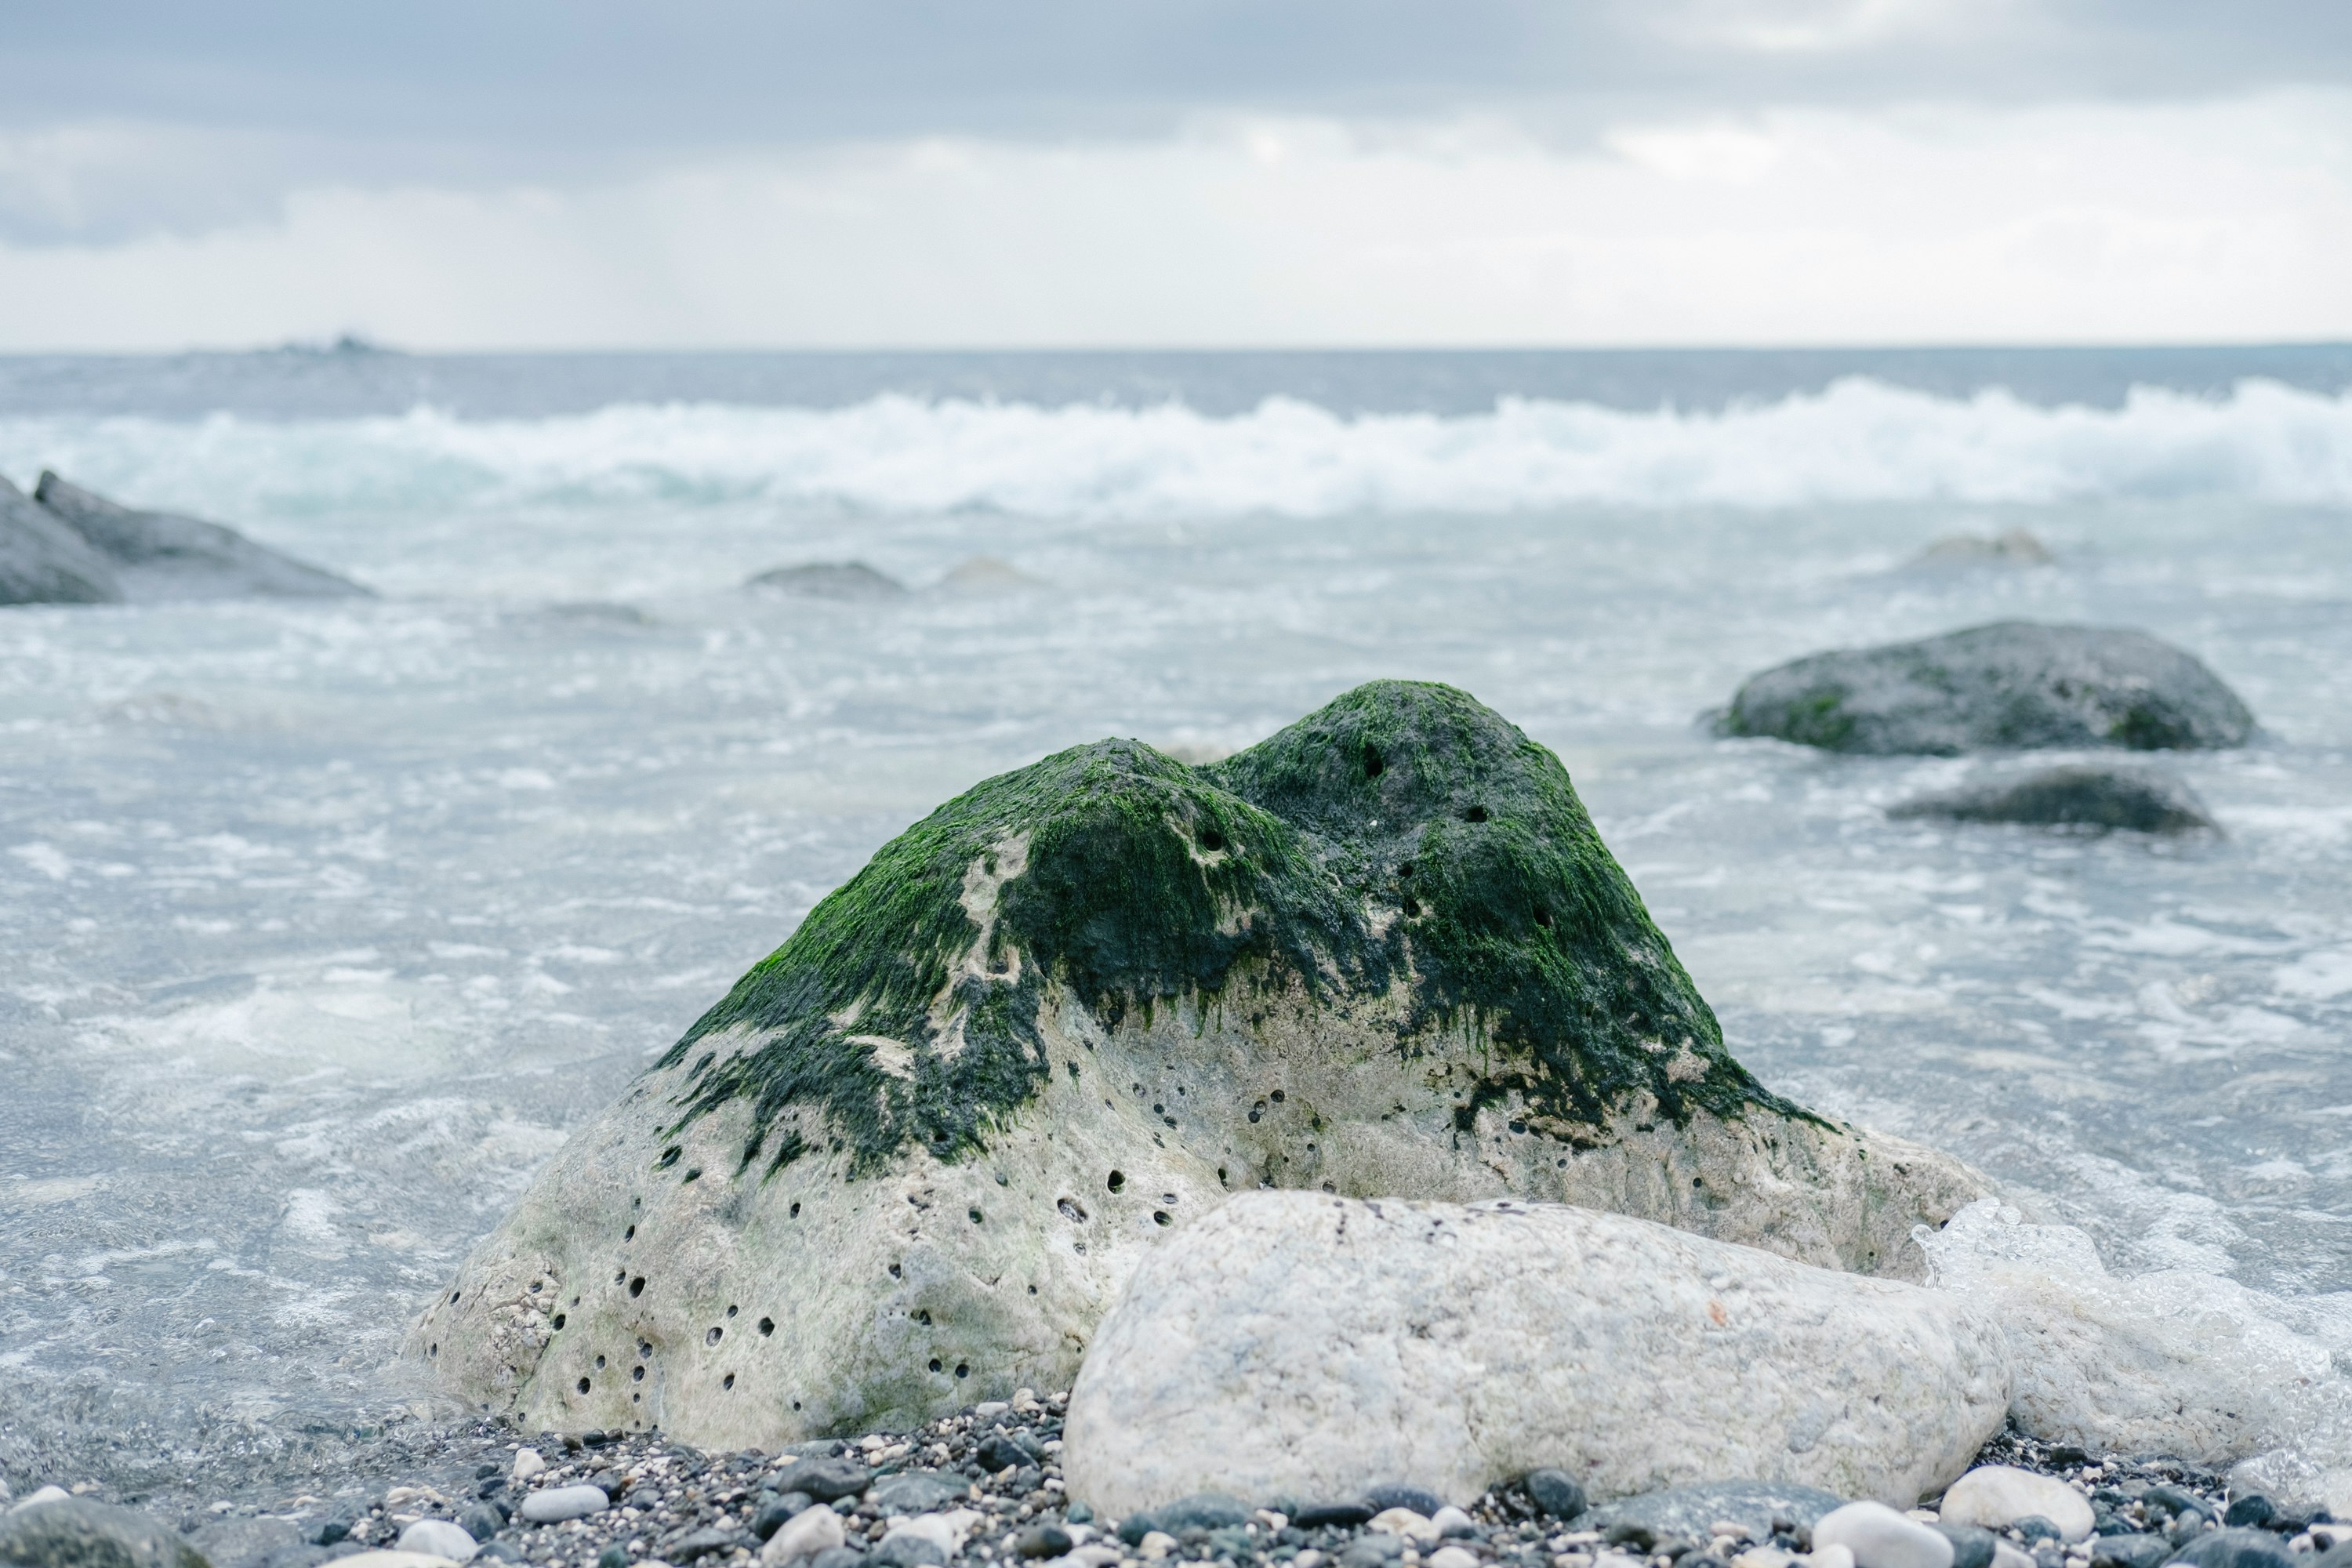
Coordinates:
x,y
124,116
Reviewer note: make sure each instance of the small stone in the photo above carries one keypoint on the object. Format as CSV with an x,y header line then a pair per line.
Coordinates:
x,y
700,1543
559,1503
2130,1551
2173,1500
1341,1515
772,1512
814,1529
826,1480
1047,1540
1396,1495
1454,1557
1406,1522
1156,1544
2035,1529
1996,1496
2252,1509
1829,1557
1971,1547
1372,1552
615,1556
1310,1558
481,1522
528,1462
2004,1555
998,1452
1555,1492
2238,1548
837,1557
1202,1510
329,1532
1080,1513
1881,1538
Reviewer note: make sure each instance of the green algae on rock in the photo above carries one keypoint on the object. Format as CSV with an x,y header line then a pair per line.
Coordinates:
x,y
910,1159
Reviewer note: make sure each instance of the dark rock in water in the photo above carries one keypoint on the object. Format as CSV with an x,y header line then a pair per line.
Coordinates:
x,y
2250,1509
830,580
1345,1515
918,1491
76,1533
2010,547
2129,1551
160,555
2015,685
2128,798
1971,1547
1380,1499
1556,1492
1202,1510
2236,1549
1691,1512
44,562
826,1480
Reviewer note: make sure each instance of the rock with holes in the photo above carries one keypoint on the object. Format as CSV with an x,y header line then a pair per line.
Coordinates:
x,y
160,555
908,1161
1297,1344
2012,686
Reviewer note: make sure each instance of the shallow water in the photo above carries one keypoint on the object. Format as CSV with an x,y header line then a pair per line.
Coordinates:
x,y
323,924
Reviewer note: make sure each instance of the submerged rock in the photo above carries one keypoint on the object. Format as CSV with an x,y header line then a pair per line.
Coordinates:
x,y
2013,685
2128,798
987,574
1300,1344
830,580
160,555
2010,547
911,1158
44,562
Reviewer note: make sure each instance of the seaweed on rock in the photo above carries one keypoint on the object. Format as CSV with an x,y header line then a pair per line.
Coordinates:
x,y
1403,836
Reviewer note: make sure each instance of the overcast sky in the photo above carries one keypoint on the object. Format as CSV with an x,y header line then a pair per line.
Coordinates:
x,y
1093,172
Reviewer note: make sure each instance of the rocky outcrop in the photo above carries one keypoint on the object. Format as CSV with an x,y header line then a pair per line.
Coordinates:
x,y
160,555
830,580
2102,799
909,1160
43,561
1296,1344
2016,685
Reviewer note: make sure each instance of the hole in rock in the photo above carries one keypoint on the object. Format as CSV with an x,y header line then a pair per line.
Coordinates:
x,y
1212,840
559,1320
583,1385
1118,1180
975,1216
1475,814
432,1350
1159,1216
767,1326
1405,869
453,1298
963,1371
644,1351
693,1173
935,1364
730,1312
535,1284
1543,917
795,1211
727,1381
1276,1096
637,1286
637,1374
1071,1210
1373,766
713,1336
893,1272
600,1363
669,1157
1412,907
796,1405
630,1234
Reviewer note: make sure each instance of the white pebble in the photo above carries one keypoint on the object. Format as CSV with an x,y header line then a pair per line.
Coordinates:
x,y
1763,1557
1310,1558
438,1538
1881,1538
2004,1555
1451,1520
1156,1544
1997,1496
1405,1523
1452,1557
557,1503
1828,1557
528,1463
813,1529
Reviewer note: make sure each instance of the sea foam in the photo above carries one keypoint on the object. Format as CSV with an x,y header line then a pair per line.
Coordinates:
x,y
1858,441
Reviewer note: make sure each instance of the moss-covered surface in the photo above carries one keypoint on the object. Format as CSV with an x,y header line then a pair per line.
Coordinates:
x,y
1403,838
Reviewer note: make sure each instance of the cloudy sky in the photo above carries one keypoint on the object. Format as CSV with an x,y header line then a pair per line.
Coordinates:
x,y
1050,173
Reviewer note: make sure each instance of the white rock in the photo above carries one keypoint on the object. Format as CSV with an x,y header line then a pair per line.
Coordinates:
x,y
557,1503
1295,1343
1451,1520
438,1538
1405,1523
528,1462
1310,1558
813,1529
1102,1554
1156,1544
1267,1519
1881,1538
1828,1557
2004,1555
1763,1557
1997,1496
1452,1557
946,1530
41,1495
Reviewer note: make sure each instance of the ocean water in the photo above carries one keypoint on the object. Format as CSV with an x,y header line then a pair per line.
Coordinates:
x,y
321,926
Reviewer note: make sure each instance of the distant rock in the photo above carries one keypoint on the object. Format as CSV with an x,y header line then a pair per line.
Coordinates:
x,y
2134,799
909,1160
76,1533
2013,685
160,555
44,562
987,574
830,580
1302,1344
2010,547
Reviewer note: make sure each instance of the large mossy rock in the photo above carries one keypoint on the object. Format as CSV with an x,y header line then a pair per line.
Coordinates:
x,y
43,561
910,1159
2015,685
160,555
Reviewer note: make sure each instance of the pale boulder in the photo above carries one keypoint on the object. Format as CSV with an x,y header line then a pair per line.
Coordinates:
x,y
1997,1496
1302,1344
1881,1538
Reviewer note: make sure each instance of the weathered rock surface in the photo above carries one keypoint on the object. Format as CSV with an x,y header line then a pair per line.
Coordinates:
x,y
830,580
74,1532
2013,685
43,561
2133,799
1301,1344
160,555
911,1158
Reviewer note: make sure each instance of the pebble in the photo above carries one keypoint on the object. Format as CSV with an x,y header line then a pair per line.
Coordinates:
x,y
1995,1497
1408,1522
2236,1549
814,1529
438,1538
1881,1538
1202,1510
1556,1492
558,1503
1451,1557
1452,1521
528,1462
1394,1495
393,1559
